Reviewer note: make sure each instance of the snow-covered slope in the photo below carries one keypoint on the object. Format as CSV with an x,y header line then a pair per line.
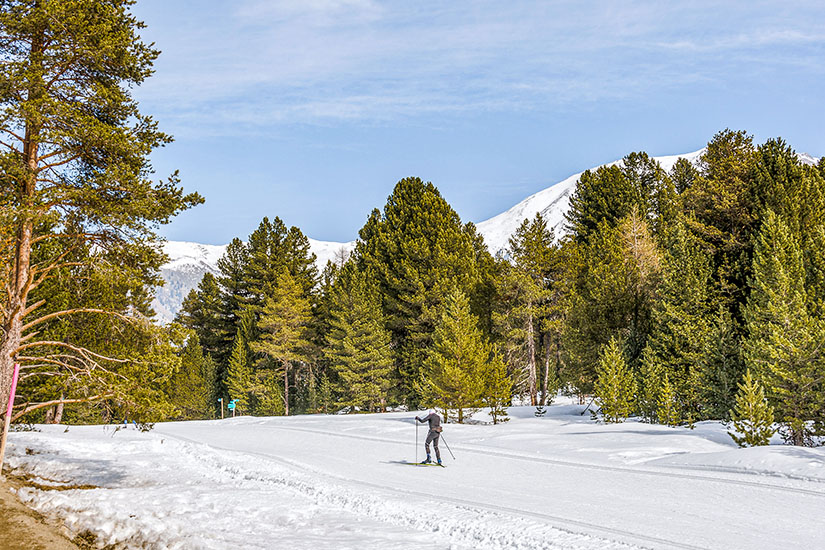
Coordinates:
x,y
552,203
188,262
318,482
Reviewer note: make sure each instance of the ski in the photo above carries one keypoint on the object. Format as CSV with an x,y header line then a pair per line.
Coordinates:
x,y
423,464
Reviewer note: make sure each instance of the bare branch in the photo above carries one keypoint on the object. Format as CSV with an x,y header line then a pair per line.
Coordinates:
x,y
36,406
82,351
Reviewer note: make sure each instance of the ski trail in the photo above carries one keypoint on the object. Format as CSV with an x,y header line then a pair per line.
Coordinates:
x,y
487,451
466,522
345,500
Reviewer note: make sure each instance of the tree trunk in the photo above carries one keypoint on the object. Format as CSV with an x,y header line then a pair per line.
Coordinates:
x,y
286,389
531,359
20,284
58,415
546,340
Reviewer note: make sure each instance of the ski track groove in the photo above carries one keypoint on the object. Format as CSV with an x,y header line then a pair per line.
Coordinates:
x,y
569,525
598,467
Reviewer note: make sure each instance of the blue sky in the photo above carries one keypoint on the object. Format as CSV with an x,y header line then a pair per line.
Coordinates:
x,y
311,110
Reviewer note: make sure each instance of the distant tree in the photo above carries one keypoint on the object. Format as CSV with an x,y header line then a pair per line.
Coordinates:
x,y
419,250
615,385
668,409
454,376
752,416
358,345
785,344
282,325
649,384
498,389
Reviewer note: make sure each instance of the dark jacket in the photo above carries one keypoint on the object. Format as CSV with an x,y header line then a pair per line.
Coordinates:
x,y
433,419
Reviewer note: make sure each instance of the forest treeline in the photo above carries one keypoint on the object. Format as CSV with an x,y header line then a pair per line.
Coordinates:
x,y
665,290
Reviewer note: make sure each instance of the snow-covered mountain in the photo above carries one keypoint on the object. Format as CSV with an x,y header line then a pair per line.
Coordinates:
x,y
189,261
552,203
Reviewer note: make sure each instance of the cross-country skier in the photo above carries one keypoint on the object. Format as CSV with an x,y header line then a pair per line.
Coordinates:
x,y
432,436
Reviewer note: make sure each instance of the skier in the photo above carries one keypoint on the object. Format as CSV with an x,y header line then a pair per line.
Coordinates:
x,y
432,436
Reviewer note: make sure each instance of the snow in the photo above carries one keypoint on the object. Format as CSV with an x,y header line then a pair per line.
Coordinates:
x,y
189,262
553,203
562,481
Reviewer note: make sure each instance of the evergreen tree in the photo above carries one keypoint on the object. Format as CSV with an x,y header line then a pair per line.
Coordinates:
x,y
752,416
189,385
498,389
77,182
668,409
615,385
358,345
272,248
610,194
722,367
523,289
785,343
681,316
684,175
615,292
650,380
456,366
283,326
721,213
419,250
241,383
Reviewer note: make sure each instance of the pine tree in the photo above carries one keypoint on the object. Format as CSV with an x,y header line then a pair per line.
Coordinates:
x,y
721,367
77,183
524,287
668,406
684,175
721,212
752,416
358,345
615,385
498,389
240,380
650,381
419,250
681,316
456,365
282,327
785,343
190,392
615,292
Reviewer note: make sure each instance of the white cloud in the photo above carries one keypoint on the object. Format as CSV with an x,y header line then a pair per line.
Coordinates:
x,y
236,66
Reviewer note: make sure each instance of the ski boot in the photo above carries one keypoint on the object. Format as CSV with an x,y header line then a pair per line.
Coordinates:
x,y
427,460
439,462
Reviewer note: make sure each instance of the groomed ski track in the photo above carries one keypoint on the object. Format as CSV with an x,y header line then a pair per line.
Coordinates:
x,y
494,498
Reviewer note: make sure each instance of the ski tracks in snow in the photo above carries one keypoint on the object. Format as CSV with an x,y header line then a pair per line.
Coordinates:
x,y
608,467
465,524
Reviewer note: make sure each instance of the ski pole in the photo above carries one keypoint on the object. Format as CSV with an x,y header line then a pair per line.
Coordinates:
x,y
448,447
588,406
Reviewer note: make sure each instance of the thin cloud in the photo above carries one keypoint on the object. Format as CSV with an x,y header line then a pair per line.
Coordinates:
x,y
321,61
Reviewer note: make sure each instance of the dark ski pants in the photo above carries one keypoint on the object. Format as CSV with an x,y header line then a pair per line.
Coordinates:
x,y
433,437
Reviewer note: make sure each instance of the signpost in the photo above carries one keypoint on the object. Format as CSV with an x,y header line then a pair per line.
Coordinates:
x,y
231,406
220,400
7,420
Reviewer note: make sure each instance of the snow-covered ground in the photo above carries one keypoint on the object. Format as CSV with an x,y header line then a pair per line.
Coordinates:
x,y
558,482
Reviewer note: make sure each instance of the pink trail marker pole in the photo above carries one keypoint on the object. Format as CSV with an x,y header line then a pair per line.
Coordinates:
x,y
7,420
